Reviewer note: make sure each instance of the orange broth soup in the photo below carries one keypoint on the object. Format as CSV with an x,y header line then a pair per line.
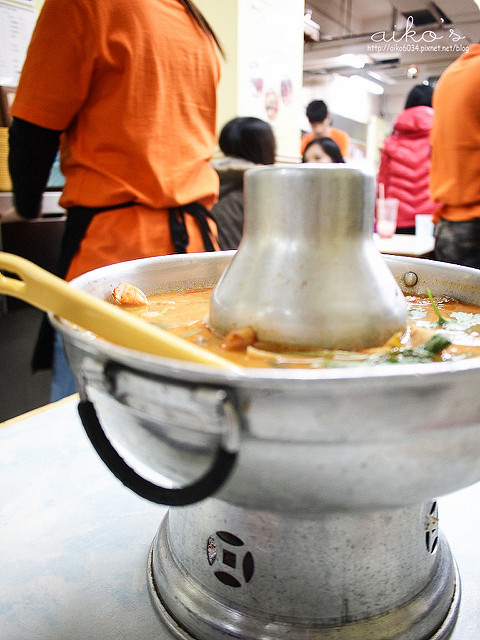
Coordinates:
x,y
444,330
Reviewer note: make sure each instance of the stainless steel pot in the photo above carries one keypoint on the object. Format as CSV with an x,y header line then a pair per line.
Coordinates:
x,y
362,437
325,525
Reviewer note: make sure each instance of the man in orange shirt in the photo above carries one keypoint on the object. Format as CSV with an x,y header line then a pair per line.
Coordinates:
x,y
455,167
320,121
128,87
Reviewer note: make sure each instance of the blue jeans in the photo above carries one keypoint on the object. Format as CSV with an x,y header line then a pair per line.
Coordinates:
x,y
63,380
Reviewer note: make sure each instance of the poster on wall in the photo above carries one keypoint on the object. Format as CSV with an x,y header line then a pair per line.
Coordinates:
x,y
16,27
270,64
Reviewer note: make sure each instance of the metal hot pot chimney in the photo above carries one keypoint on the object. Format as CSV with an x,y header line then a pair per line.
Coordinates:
x,y
326,524
307,272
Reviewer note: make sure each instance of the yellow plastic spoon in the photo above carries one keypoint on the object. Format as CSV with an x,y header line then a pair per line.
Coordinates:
x,y
41,289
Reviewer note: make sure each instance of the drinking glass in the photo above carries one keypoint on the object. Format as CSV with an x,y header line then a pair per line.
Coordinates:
x,y
387,211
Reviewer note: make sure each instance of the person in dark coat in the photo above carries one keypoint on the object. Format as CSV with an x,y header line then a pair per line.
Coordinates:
x,y
245,142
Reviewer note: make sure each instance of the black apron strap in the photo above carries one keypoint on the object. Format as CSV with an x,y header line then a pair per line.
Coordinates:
x,y
78,219
178,228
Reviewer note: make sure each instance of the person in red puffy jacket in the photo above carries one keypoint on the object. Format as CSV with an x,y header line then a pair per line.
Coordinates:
x,y
404,169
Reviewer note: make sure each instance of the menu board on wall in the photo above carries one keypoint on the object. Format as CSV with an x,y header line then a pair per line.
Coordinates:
x,y
16,27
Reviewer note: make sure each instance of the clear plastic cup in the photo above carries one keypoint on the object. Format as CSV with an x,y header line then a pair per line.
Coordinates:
x,y
387,212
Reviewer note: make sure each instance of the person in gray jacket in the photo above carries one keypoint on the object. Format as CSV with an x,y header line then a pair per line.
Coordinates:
x,y
245,143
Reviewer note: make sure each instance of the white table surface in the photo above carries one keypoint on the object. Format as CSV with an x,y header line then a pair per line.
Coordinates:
x,y
74,541
402,244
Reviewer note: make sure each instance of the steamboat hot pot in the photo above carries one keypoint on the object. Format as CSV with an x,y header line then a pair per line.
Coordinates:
x,y
303,501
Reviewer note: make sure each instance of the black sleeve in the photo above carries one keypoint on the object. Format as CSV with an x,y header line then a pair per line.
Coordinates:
x,y
31,155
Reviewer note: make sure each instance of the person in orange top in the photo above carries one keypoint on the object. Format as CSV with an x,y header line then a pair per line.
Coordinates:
x,y
455,166
320,121
128,87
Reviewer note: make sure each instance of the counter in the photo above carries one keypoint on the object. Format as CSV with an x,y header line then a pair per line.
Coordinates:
x,y
74,541
406,245
49,202
38,240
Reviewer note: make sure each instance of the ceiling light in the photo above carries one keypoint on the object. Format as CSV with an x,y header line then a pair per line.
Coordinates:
x,y
381,78
353,60
412,71
311,29
369,85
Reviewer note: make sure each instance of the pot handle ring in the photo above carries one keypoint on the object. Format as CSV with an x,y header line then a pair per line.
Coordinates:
x,y
202,488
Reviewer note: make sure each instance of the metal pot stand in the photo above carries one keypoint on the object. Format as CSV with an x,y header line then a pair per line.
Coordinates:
x,y
216,570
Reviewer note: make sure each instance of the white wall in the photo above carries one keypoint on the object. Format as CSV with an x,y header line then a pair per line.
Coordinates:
x,y
343,96
262,73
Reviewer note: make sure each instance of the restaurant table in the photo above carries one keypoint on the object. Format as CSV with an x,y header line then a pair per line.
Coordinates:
x,y
406,245
75,541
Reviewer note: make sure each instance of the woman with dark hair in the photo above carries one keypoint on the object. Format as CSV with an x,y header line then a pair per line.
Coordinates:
x,y
128,89
404,169
245,142
322,150
249,138
420,96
